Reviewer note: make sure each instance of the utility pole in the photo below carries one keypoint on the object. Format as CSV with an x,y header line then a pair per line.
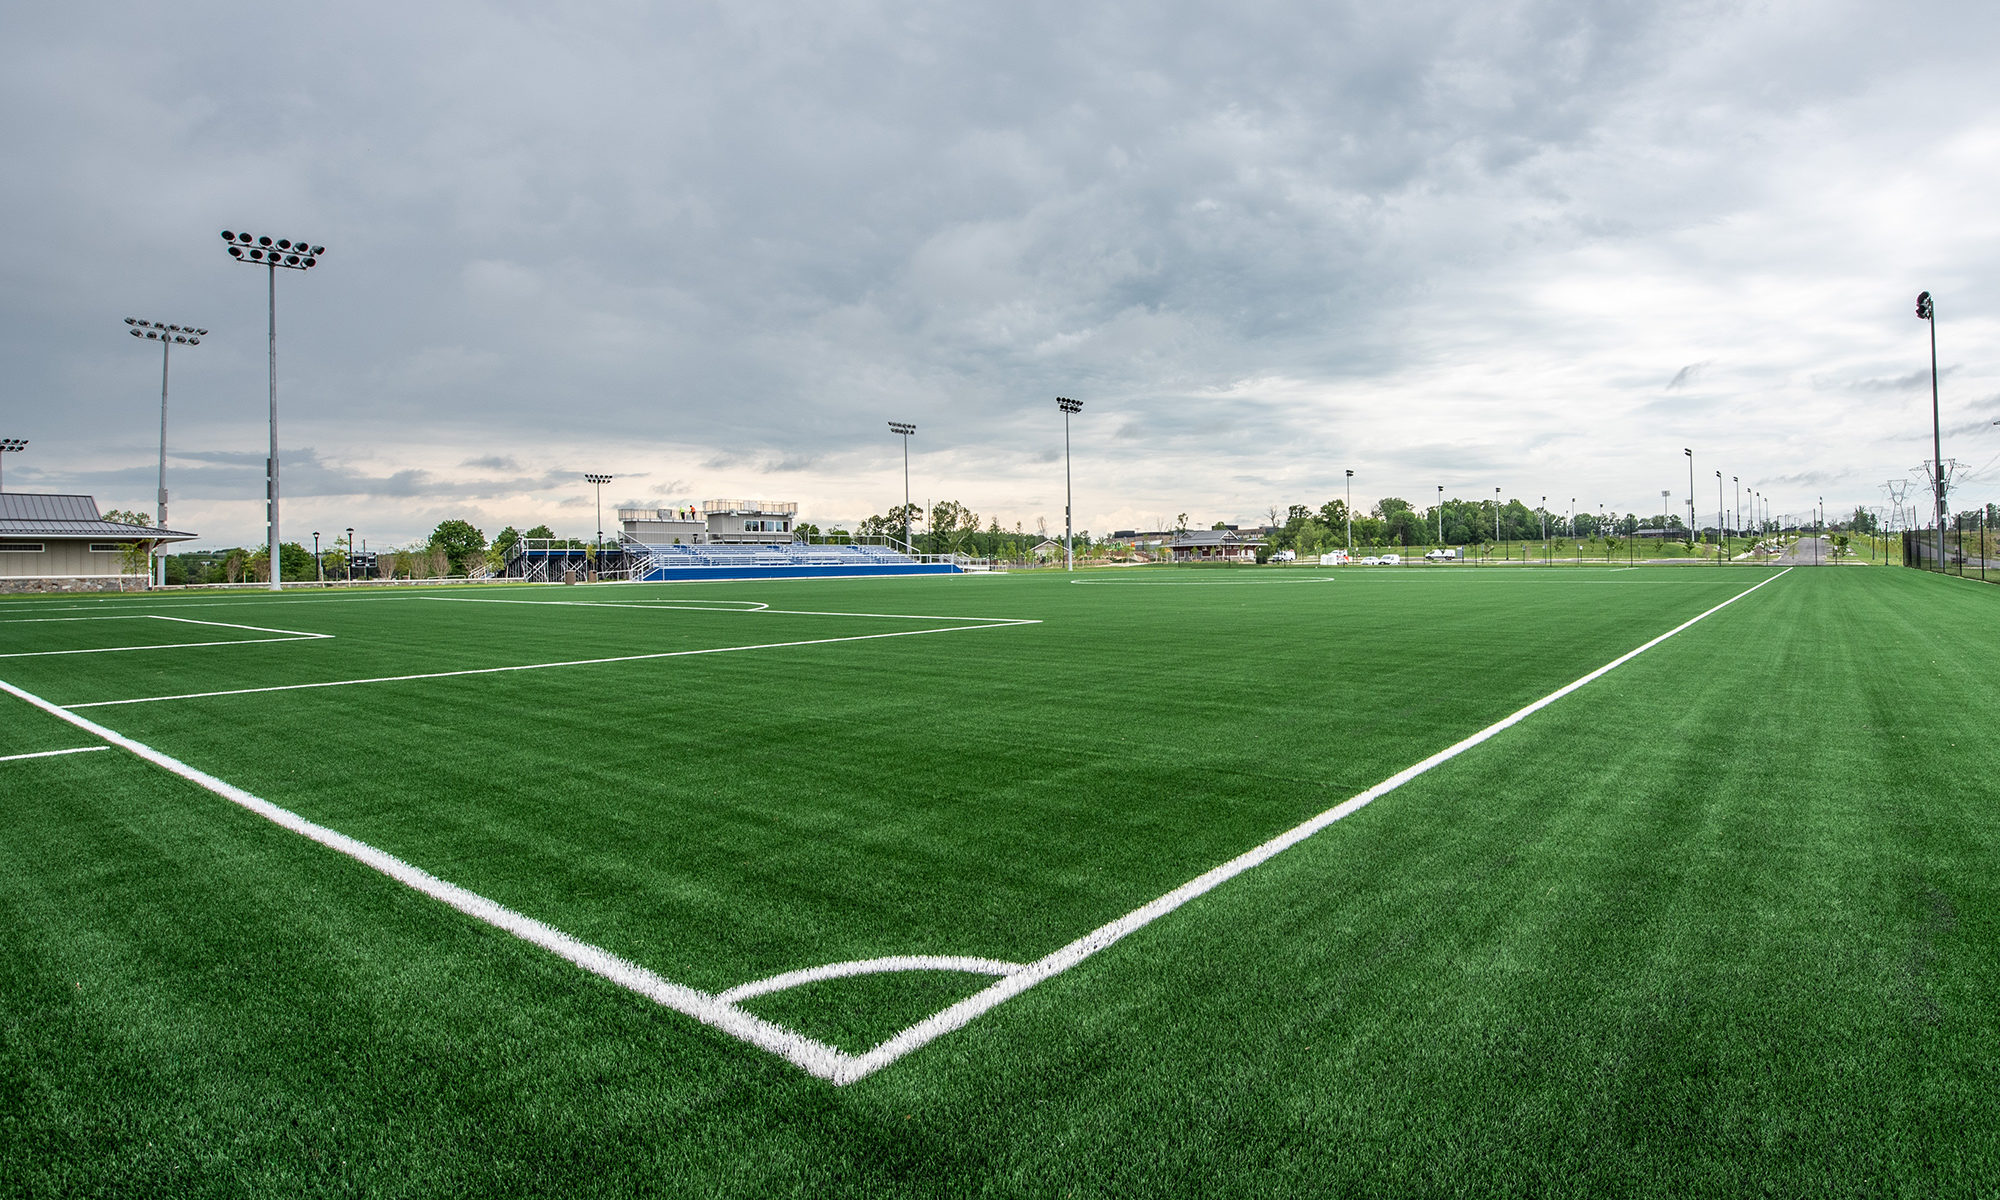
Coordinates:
x,y
1068,407
1927,312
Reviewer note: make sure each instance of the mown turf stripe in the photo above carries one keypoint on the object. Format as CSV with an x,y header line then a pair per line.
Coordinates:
x,y
976,1005
816,1058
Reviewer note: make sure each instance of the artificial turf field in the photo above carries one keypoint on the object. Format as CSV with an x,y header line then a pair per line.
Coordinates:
x,y
1720,921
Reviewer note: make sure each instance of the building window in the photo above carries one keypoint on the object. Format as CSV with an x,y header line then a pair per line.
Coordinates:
x,y
20,547
108,547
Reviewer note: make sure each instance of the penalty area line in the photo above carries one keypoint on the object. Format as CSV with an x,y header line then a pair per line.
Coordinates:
x,y
51,753
579,662
979,1003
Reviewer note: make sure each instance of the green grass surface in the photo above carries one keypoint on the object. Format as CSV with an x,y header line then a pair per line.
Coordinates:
x,y
1720,922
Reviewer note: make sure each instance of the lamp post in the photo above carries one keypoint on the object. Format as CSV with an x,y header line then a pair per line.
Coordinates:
x,y
598,482
319,568
1719,543
168,336
1927,312
1440,514
1691,518
350,554
1496,518
10,446
293,256
1736,513
1068,408
1545,531
1666,500
905,429
1350,513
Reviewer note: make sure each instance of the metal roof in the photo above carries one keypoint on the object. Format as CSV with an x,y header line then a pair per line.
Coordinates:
x,y
38,506
38,515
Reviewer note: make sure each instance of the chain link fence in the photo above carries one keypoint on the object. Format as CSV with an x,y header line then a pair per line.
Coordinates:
x,y
1969,549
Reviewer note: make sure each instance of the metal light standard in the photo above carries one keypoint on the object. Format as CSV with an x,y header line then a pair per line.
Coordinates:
x,y
168,336
350,554
293,256
1496,520
10,446
1720,545
1068,407
1927,312
1736,513
1546,554
1691,518
905,429
598,482
319,568
1440,514
1350,513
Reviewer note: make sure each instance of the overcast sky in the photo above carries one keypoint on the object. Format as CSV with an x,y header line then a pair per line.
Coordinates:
x,y
712,249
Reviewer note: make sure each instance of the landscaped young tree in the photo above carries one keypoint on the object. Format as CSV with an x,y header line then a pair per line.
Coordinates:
x,y
460,545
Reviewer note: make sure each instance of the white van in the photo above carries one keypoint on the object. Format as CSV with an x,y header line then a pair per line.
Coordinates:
x,y
1392,560
1334,558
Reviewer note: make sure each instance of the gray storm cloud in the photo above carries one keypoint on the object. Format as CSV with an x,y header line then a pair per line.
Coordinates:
x,y
711,250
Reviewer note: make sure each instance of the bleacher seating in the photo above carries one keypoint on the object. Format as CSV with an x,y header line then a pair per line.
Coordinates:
x,y
715,560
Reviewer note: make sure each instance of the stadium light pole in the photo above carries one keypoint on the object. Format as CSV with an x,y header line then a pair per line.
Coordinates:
x,y
168,336
598,482
1496,516
905,429
1350,513
1736,513
293,256
319,568
10,446
1441,512
1545,530
1927,312
1069,408
1719,543
350,554
1691,516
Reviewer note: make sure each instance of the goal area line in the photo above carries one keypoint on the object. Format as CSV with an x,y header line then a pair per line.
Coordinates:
x,y
719,1011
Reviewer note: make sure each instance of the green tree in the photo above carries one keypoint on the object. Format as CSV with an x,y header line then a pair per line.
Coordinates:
x,y
122,516
462,545
542,532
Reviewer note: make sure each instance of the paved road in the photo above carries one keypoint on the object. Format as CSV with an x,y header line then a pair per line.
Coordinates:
x,y
1802,553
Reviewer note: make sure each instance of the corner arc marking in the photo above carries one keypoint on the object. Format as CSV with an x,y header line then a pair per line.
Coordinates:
x,y
869,966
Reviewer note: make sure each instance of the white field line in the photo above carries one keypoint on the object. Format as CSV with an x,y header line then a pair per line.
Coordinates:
x,y
814,1057
869,966
289,635
51,753
974,1006
757,607
579,662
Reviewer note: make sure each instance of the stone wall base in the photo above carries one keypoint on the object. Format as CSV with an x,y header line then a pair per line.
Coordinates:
x,y
127,583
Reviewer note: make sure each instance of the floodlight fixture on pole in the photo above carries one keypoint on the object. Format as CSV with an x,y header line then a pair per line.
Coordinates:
x,y
260,251
1440,514
1496,515
1719,543
168,336
1691,517
1927,312
905,430
350,554
1736,513
319,569
10,446
598,482
1069,407
1350,513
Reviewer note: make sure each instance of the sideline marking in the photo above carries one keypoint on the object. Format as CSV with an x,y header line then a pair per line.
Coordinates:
x,y
290,635
52,753
817,1058
996,623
